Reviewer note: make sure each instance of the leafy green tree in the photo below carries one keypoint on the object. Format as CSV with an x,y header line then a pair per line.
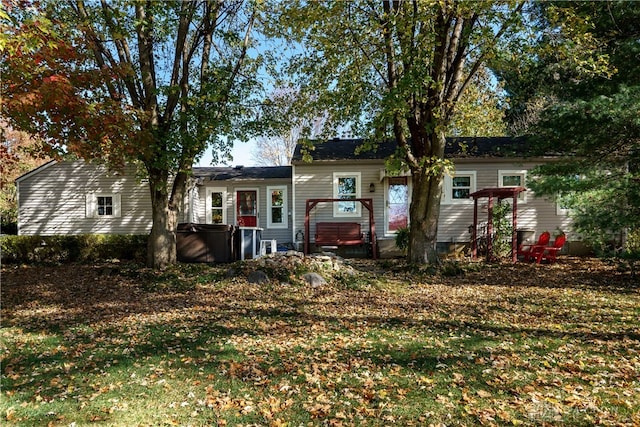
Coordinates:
x,y
120,81
481,109
585,81
396,70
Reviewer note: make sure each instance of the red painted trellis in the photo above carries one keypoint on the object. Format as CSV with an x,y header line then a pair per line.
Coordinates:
x,y
367,203
499,193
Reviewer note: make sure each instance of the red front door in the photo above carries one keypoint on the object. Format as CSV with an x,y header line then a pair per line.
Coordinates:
x,y
247,208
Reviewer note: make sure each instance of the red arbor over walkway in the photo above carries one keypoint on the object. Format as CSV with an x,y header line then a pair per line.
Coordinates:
x,y
499,193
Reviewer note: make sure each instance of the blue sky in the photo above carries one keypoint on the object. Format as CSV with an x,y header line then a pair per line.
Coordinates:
x,y
243,151
242,155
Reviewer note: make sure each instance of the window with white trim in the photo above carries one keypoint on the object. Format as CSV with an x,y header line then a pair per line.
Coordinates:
x,y
103,205
216,206
561,206
346,186
513,178
277,207
458,187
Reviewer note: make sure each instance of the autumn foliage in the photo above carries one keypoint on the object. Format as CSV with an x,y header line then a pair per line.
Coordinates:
x,y
19,153
151,83
51,91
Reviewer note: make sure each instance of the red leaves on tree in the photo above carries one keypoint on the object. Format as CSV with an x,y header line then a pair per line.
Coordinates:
x,y
53,89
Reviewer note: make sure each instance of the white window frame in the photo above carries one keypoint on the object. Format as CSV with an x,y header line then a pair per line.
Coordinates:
x,y
284,207
91,205
388,232
208,207
560,210
448,187
522,197
336,195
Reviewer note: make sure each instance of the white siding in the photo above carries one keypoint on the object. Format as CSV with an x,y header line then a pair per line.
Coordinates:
x,y
53,200
282,235
314,181
536,213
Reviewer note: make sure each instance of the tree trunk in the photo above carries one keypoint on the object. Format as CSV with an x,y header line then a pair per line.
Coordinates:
x,y
425,207
161,246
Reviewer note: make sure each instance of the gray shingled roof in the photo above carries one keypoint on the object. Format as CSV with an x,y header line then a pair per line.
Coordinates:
x,y
220,173
344,149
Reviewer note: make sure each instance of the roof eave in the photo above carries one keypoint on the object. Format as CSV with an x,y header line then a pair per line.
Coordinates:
x,y
35,171
337,161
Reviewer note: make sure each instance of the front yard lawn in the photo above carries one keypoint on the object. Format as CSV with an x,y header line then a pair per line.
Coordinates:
x,y
116,344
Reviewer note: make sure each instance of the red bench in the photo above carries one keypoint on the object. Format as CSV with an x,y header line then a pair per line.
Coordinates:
x,y
338,234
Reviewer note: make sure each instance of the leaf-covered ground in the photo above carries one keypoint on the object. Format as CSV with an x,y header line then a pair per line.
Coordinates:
x,y
498,345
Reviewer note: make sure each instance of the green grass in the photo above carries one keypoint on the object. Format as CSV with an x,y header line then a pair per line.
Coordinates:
x,y
495,345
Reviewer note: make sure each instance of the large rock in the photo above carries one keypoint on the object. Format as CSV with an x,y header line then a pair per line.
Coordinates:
x,y
314,279
257,277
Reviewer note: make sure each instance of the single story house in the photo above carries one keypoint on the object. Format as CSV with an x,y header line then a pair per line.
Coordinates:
x,y
77,197
339,170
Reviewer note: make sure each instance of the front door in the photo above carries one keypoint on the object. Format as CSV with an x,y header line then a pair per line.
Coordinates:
x,y
397,204
247,208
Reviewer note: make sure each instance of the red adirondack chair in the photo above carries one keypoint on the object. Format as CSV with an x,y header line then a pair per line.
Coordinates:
x,y
527,249
551,252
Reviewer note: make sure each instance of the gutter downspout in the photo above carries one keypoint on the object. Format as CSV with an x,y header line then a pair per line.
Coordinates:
x,y
293,203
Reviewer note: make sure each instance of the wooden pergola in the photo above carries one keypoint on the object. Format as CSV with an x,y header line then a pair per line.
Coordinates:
x,y
367,203
500,194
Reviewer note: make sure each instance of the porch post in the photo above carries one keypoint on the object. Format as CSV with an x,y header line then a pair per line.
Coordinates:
x,y
306,228
474,232
372,229
514,232
490,229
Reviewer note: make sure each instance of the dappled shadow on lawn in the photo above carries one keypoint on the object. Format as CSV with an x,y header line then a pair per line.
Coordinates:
x,y
497,336
58,297
568,272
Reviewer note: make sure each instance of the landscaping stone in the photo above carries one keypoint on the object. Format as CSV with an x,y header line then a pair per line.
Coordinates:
x,y
314,279
315,269
258,277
